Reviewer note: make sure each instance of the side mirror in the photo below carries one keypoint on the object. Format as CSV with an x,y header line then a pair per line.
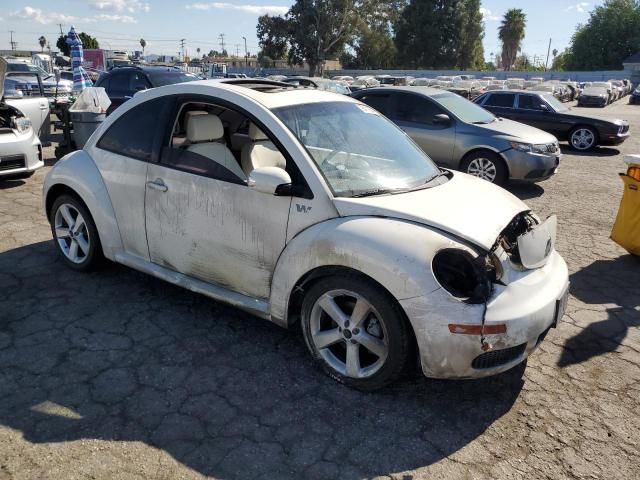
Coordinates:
x,y
544,108
442,119
270,180
58,75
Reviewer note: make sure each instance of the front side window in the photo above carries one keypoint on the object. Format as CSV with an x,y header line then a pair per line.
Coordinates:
x,y
119,82
415,109
358,151
504,100
133,134
463,109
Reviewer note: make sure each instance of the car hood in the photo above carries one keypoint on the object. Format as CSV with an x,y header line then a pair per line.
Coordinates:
x,y
3,72
575,116
465,206
516,130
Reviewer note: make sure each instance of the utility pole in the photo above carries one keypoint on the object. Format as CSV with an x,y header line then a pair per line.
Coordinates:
x,y
547,62
182,42
237,45
246,55
221,37
14,45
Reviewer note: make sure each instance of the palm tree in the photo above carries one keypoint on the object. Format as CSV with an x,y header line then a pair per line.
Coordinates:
x,y
511,33
143,43
42,41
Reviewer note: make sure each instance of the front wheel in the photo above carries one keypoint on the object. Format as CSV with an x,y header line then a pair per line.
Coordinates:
x,y
356,332
75,234
583,138
485,165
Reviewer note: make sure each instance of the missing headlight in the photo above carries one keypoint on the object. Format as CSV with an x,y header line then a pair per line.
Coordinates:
x,y
463,276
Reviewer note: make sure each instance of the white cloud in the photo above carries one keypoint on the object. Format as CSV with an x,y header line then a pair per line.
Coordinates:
x,y
120,6
487,15
39,16
253,9
580,7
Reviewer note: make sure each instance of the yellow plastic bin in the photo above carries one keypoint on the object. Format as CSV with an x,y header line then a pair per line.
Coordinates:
x,y
626,229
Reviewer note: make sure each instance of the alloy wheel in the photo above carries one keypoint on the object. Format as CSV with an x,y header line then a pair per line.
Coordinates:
x,y
582,139
71,233
349,334
482,168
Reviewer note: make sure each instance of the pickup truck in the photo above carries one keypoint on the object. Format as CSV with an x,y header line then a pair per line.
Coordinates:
x,y
21,121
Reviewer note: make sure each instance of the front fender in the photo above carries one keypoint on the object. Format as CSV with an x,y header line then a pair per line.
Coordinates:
x,y
78,172
395,253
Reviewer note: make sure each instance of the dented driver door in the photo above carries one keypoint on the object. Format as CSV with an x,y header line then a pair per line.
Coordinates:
x,y
220,232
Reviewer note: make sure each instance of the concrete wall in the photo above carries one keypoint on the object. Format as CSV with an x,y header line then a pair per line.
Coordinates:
x,y
501,75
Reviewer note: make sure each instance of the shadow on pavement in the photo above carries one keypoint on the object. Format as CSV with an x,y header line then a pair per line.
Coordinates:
x,y
525,191
605,282
596,152
11,183
117,355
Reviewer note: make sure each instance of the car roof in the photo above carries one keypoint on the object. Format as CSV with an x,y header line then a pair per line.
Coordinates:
x,y
270,94
147,69
423,90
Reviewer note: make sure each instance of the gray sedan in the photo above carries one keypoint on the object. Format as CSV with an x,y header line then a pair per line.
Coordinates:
x,y
457,134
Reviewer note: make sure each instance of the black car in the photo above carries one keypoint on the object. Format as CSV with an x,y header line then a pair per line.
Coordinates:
x,y
542,110
635,96
122,83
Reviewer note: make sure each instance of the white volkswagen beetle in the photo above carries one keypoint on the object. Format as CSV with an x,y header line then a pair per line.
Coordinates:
x,y
303,205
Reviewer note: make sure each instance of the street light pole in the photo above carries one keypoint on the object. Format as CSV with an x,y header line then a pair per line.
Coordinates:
x,y
246,56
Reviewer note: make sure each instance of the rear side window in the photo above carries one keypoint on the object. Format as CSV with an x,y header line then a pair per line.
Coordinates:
x,y
500,100
119,82
529,102
134,133
378,101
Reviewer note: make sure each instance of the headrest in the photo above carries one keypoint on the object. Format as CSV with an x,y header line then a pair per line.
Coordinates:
x,y
255,133
201,128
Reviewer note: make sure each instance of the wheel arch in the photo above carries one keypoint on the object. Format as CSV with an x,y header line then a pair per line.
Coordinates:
x,y
78,176
475,150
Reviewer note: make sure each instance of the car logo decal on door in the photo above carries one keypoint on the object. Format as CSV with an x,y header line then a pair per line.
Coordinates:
x,y
303,208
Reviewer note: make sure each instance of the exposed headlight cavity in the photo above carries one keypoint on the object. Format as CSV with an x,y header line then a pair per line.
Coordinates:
x,y
464,276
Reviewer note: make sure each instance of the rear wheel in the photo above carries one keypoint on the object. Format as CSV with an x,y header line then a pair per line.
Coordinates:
x,y
583,138
356,332
485,165
75,233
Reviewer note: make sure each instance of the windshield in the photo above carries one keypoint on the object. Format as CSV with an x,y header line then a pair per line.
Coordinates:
x,y
26,67
159,79
556,104
358,151
463,109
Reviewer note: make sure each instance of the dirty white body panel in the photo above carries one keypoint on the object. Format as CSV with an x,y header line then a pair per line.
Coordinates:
x,y
252,249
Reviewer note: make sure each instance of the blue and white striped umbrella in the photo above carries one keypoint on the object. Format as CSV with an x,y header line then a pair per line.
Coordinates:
x,y
81,79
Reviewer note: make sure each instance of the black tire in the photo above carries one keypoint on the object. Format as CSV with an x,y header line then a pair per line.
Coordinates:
x,y
585,128
470,161
93,257
393,328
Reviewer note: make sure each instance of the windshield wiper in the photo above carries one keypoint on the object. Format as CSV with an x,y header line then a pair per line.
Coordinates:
x,y
370,193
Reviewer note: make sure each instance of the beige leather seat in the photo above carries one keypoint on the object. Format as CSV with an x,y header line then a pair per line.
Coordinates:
x,y
260,152
204,134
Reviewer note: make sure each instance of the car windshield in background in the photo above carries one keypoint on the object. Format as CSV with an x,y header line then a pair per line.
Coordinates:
x,y
25,67
358,150
556,104
158,79
463,109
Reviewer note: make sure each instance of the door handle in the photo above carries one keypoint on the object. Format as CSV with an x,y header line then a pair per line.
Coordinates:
x,y
158,184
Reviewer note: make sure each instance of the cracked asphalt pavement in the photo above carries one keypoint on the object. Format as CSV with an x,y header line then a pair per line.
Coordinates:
x,y
117,375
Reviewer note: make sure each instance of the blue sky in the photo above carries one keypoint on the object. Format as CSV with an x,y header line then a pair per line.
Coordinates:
x,y
120,23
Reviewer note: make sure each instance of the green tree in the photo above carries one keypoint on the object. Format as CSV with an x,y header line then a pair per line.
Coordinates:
x,y
440,34
511,33
87,42
560,60
319,29
611,34
42,41
273,37
143,44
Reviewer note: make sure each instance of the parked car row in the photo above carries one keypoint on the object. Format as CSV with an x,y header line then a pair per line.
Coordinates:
x,y
601,94
306,207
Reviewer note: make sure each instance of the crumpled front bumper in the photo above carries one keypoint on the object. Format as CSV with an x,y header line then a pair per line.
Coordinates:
x,y
527,306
